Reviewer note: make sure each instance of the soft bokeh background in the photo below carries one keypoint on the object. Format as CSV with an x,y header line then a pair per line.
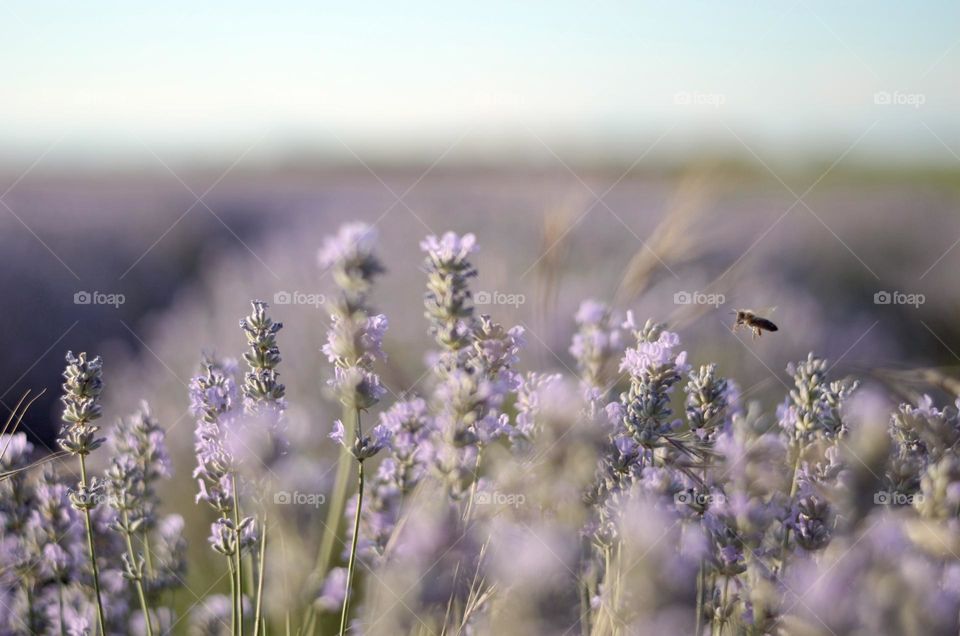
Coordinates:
x,y
802,155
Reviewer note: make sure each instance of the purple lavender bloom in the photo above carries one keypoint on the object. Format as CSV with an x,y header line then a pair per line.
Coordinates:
x,y
140,452
450,250
813,407
447,299
812,521
214,398
337,433
211,617
262,391
349,255
354,339
331,595
534,389
349,344
648,356
364,446
706,404
654,370
597,341
83,383
358,388
409,427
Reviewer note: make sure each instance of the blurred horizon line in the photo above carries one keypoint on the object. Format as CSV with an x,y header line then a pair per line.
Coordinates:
x,y
70,156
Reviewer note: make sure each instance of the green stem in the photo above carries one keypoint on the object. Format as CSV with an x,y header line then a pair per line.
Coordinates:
x,y
786,530
263,549
723,605
93,551
238,554
233,596
146,552
353,548
138,581
338,499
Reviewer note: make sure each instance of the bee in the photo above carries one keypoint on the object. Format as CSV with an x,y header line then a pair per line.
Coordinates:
x,y
749,320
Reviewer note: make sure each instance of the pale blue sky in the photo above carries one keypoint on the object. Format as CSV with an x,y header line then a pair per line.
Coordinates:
x,y
208,79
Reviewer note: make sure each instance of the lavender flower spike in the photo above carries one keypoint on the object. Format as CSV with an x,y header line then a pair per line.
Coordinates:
x,y
81,404
349,256
597,341
447,298
261,388
81,407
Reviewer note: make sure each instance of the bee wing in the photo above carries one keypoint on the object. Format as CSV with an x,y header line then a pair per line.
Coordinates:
x,y
762,311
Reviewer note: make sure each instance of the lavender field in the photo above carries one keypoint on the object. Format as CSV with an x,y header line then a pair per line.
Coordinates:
x,y
526,440
453,319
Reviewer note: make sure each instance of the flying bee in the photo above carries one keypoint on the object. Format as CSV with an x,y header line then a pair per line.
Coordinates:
x,y
747,319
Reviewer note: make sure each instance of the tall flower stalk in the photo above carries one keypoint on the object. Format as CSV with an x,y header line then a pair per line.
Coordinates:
x,y
263,399
81,408
140,461
353,345
214,399
123,482
597,341
472,371
811,413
